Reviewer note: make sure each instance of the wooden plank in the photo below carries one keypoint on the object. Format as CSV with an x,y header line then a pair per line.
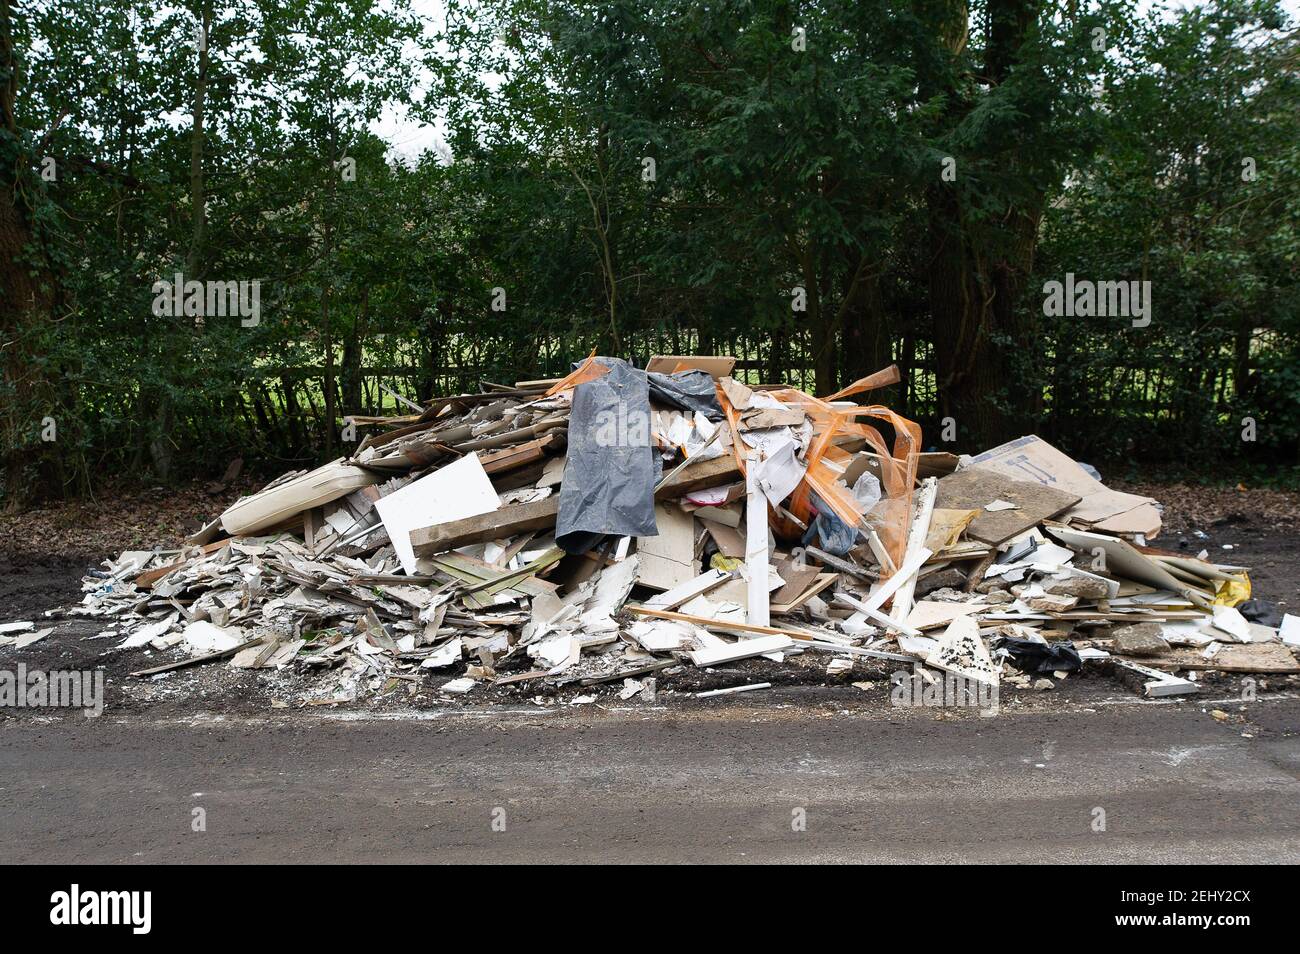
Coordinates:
x,y
756,556
1231,657
671,599
541,514
511,458
148,578
506,522
820,583
916,537
198,660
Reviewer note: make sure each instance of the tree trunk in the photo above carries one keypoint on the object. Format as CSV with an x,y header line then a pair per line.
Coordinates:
x,y
25,285
977,272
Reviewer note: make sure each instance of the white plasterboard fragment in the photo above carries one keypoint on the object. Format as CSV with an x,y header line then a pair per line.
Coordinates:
x,y
341,520
661,636
919,646
26,639
458,686
445,655
961,651
17,627
459,490
780,472
1232,622
614,585
1290,630
202,637
999,505
559,651
149,632
744,649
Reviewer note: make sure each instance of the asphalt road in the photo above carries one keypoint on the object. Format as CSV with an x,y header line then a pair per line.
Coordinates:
x,y
637,784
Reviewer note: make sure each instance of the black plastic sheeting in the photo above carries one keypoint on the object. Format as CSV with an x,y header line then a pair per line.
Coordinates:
x,y
612,465
687,391
1263,612
1029,656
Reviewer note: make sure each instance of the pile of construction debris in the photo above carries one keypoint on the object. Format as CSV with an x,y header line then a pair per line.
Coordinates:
x,y
619,523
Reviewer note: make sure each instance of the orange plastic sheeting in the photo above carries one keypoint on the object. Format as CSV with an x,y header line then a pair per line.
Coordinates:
x,y
589,370
881,379
826,462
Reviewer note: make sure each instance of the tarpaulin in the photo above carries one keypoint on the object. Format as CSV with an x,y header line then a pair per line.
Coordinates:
x,y
612,464
687,391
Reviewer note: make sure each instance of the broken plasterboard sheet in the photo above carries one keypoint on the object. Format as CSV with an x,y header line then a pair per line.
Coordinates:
x,y
274,505
1144,519
1106,506
1290,630
445,655
963,653
729,540
23,640
202,637
744,649
973,488
661,636
1032,458
1232,622
149,632
668,560
1121,559
780,471
609,595
459,490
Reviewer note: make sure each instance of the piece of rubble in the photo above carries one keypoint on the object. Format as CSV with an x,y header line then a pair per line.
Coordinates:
x,y
1141,639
